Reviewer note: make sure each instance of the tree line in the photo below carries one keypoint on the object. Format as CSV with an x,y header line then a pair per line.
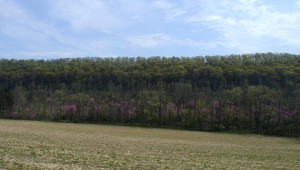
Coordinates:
x,y
257,93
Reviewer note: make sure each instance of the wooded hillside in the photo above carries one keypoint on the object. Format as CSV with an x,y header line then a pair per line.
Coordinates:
x,y
248,93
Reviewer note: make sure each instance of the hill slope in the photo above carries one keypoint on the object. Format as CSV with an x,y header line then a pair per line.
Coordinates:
x,y
256,93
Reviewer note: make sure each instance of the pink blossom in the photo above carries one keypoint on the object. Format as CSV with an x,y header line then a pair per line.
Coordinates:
x,y
125,105
116,105
91,101
70,107
132,112
285,111
204,110
180,109
216,103
192,102
99,109
14,114
234,109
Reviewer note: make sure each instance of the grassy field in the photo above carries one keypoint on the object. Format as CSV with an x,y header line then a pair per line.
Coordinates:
x,y
45,145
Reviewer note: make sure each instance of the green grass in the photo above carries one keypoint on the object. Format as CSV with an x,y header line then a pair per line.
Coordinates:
x,y
45,145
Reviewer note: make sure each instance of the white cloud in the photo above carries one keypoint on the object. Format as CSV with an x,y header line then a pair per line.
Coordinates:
x,y
82,14
164,5
101,15
6,8
18,24
102,27
171,10
246,24
162,40
70,48
39,38
298,3
131,11
201,44
152,40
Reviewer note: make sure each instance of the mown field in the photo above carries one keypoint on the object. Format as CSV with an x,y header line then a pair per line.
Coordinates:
x,y
45,145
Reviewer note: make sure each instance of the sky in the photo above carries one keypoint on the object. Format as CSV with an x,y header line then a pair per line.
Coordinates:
x,y
49,29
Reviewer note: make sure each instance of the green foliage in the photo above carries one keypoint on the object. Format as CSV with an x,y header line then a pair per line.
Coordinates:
x,y
250,92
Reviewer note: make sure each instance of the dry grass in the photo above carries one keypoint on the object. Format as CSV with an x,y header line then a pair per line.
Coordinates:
x,y
44,145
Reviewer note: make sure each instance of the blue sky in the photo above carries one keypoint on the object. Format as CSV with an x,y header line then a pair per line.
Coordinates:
x,y
110,28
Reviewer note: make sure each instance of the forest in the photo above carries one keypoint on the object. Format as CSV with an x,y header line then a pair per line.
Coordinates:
x,y
247,93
